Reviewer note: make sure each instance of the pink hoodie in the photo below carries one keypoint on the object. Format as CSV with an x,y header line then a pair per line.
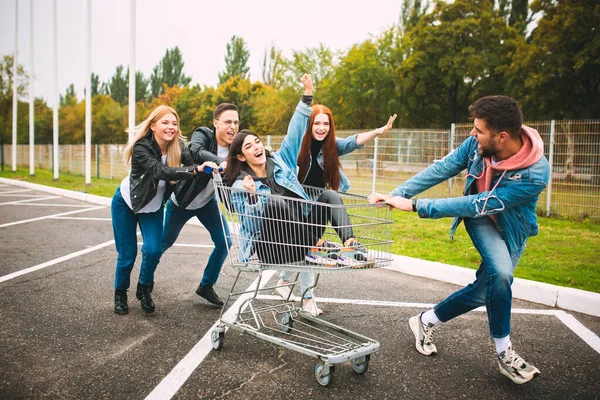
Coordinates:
x,y
530,153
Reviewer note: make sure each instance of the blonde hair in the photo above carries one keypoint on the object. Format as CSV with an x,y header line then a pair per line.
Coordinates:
x,y
143,129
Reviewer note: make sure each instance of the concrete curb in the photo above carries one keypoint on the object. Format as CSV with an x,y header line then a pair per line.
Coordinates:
x,y
543,293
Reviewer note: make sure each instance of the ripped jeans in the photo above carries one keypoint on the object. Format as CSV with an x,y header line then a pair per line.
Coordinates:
x,y
493,280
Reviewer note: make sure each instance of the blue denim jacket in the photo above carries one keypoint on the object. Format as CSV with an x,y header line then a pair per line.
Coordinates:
x,y
251,214
298,127
513,202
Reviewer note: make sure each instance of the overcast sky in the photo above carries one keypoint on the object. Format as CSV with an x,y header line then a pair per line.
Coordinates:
x,y
201,29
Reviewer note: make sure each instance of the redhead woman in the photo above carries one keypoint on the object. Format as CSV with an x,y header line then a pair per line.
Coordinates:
x,y
155,154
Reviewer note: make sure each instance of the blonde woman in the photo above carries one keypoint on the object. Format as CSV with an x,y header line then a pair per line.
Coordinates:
x,y
155,154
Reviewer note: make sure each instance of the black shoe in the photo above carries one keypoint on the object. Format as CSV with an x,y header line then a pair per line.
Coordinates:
x,y
143,295
121,307
209,294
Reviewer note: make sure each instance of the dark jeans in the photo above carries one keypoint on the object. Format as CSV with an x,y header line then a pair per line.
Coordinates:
x,y
286,234
175,219
124,223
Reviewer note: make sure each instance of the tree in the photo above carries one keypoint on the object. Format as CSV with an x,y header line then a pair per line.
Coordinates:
x,y
169,71
6,94
411,12
236,60
557,74
95,84
457,53
118,86
70,97
272,67
318,61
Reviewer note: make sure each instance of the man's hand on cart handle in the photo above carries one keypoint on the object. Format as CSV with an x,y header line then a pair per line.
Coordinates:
x,y
400,203
223,167
249,185
377,198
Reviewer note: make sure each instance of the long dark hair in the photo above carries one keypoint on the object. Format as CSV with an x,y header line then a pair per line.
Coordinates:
x,y
331,161
235,166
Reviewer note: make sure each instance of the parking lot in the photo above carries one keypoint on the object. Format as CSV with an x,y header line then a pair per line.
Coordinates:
x,y
60,338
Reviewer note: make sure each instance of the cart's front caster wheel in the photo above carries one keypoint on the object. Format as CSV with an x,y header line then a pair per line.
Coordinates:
x,y
287,323
217,339
361,365
324,373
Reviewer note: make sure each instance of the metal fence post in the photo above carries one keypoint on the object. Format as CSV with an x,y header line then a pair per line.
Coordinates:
x,y
375,151
97,161
550,161
451,146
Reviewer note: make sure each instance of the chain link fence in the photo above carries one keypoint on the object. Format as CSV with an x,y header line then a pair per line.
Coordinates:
x,y
572,148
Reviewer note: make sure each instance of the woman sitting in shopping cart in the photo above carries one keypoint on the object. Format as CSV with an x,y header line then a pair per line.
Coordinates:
x,y
279,220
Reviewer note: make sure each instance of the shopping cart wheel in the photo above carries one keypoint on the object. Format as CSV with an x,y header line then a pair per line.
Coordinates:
x,y
324,373
286,322
361,365
217,339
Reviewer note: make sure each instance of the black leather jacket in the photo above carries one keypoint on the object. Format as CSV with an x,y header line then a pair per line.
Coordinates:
x,y
147,169
203,147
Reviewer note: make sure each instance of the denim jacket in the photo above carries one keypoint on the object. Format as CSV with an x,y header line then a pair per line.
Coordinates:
x,y
251,213
513,201
298,127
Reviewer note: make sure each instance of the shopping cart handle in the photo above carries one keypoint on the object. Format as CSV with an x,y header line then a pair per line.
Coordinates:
x,y
208,170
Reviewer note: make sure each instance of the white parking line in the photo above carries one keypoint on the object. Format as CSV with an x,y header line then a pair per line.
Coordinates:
x,y
15,191
50,216
167,388
84,218
56,205
22,195
55,261
29,200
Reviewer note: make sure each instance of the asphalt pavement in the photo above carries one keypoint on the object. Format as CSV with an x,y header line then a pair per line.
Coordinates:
x,y
60,339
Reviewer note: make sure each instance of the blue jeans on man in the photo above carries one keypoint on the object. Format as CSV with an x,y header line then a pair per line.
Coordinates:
x,y
125,222
492,285
209,216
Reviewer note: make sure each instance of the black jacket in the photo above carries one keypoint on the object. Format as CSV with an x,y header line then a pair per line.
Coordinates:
x,y
203,147
147,169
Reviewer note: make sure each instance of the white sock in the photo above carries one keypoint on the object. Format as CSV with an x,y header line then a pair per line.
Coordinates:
x,y
502,344
429,318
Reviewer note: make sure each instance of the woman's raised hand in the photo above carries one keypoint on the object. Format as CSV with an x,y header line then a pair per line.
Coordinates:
x,y
387,126
308,84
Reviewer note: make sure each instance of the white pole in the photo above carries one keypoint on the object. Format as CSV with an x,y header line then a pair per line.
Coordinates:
x,y
88,98
132,69
31,96
551,162
15,85
375,151
56,98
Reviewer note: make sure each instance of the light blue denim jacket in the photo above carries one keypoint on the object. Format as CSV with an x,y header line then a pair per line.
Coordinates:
x,y
513,201
298,127
285,175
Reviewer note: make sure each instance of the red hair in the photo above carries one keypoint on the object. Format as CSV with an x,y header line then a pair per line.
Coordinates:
x,y
331,161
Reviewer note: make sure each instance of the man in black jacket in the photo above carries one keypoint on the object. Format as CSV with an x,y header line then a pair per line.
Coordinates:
x,y
197,197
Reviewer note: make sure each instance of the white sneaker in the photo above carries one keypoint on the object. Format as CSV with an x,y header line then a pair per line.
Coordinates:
x,y
310,306
423,335
515,368
284,291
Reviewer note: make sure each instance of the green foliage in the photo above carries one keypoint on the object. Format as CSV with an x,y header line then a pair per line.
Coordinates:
x,y
169,72
272,67
70,97
236,60
318,61
557,74
118,86
6,94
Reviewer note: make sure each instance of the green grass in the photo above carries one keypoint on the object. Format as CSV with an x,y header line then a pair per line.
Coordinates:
x,y
565,253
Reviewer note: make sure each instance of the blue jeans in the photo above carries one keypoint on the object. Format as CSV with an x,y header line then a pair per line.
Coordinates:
x,y
493,280
209,216
124,223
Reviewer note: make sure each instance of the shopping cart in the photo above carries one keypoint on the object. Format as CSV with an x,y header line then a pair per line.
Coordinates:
x,y
271,232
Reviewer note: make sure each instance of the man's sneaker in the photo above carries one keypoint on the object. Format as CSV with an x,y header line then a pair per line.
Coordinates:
x,y
209,294
515,368
423,335
324,253
284,291
310,306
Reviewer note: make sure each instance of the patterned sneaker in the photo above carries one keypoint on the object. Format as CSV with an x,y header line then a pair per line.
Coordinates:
x,y
423,335
355,255
515,368
325,253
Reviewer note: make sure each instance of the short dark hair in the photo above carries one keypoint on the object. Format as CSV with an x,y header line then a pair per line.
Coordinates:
x,y
501,113
221,108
